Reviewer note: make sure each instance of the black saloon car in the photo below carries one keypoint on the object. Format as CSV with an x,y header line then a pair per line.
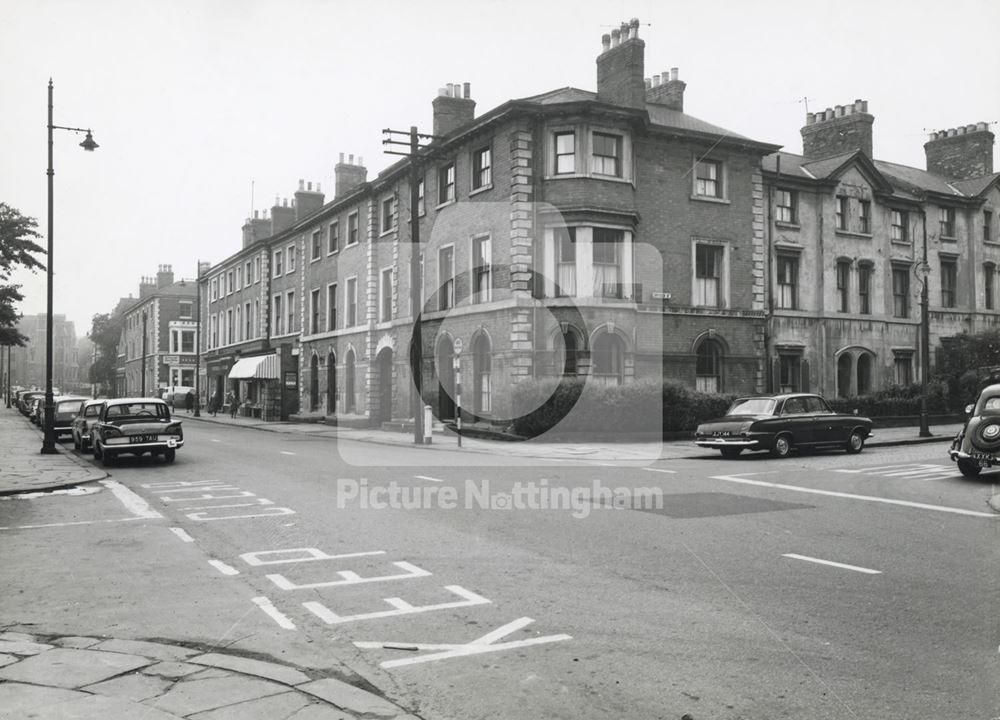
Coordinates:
x,y
135,426
782,423
977,446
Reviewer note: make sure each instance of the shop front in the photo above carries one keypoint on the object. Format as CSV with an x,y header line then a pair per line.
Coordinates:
x,y
255,383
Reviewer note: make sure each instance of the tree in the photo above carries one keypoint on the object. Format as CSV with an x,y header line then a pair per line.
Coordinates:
x,y
17,250
105,331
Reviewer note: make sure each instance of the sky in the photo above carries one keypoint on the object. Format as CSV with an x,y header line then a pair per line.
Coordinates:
x,y
205,110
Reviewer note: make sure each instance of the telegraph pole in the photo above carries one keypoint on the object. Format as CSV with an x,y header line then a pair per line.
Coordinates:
x,y
416,343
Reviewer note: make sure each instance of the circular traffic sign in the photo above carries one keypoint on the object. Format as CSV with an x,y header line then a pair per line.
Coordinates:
x,y
457,345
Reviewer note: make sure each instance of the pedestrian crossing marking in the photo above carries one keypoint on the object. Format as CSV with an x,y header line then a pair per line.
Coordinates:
x,y
909,471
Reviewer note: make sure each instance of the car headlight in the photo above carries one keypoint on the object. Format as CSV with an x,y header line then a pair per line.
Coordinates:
x,y
745,427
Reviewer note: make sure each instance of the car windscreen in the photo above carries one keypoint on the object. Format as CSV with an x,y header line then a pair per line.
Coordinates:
x,y
752,406
138,411
69,406
92,411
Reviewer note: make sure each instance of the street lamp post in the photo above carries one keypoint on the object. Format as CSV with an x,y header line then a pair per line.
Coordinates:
x,y
925,329
143,382
197,345
88,144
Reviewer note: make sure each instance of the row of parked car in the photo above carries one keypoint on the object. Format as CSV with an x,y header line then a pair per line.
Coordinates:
x,y
109,426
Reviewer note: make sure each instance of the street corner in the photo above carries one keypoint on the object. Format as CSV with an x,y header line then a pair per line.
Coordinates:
x,y
50,677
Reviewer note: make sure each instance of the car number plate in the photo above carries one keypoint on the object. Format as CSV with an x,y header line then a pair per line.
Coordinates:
x,y
142,438
984,459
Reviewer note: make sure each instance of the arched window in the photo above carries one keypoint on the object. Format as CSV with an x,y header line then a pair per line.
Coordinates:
x,y
864,374
708,367
608,359
482,367
844,373
350,402
570,352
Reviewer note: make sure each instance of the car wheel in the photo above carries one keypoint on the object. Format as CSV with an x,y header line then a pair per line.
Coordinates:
x,y
856,443
107,458
730,453
969,468
781,446
169,454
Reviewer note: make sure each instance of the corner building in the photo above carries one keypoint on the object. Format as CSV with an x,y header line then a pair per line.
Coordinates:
x,y
606,234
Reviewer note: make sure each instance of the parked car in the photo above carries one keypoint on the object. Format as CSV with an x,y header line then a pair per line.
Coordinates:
x,y
24,402
176,395
977,444
782,423
135,426
65,408
36,411
83,422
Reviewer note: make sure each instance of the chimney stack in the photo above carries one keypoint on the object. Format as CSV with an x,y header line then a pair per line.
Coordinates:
x,y
961,153
348,175
147,286
307,200
256,228
836,131
282,216
164,276
203,267
620,78
453,108
666,89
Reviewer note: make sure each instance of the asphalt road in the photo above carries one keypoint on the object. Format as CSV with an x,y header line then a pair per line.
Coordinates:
x,y
821,586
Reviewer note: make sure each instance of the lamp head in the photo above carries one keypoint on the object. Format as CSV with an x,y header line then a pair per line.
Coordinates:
x,y
88,143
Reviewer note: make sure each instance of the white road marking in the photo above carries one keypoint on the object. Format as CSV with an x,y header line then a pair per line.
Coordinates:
x,y
70,524
856,568
426,477
660,470
285,452
401,607
486,644
204,516
352,578
206,496
214,440
132,502
912,471
179,532
264,604
852,496
258,502
223,568
254,558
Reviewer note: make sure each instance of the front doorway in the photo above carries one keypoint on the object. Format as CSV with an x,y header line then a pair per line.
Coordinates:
x,y
384,364
331,384
446,379
314,383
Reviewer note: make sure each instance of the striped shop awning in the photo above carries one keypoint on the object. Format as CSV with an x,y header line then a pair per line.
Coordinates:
x,y
260,367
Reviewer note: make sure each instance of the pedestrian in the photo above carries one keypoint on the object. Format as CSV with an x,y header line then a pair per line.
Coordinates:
x,y
213,403
189,401
231,402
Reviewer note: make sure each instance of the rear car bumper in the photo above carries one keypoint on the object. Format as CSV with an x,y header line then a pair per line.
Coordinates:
x,y
122,444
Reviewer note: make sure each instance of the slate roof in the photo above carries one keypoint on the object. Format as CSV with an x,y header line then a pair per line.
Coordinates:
x,y
659,115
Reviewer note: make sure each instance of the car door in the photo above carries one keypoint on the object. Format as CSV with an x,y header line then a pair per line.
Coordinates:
x,y
828,427
796,419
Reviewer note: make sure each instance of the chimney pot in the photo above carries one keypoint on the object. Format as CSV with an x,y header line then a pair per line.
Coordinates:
x,y
341,157
970,128
810,118
634,24
605,42
302,184
864,106
626,30
616,36
318,188
839,110
656,81
451,89
673,73
467,90
648,83
350,159
309,186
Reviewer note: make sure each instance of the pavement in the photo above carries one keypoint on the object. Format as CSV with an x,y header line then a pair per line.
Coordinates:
x,y
45,677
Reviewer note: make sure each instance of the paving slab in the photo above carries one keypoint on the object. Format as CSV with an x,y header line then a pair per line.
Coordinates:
x,y
156,650
274,707
135,687
196,695
17,637
71,668
76,641
8,659
350,698
249,666
100,707
322,712
23,647
17,700
172,669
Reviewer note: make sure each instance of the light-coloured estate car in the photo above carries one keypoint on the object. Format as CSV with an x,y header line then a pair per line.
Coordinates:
x,y
83,422
135,426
